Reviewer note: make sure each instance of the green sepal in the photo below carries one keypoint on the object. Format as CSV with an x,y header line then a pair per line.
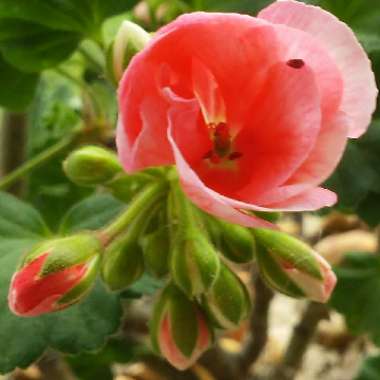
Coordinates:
x,y
122,264
85,285
194,262
237,242
65,252
156,249
228,302
290,250
184,321
124,186
273,275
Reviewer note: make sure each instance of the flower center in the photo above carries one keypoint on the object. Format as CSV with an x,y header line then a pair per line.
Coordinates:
x,y
222,141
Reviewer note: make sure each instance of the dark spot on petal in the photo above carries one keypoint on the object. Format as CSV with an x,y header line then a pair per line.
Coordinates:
x,y
234,156
296,63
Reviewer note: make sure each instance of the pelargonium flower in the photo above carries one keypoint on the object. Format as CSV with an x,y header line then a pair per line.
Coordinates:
x,y
254,112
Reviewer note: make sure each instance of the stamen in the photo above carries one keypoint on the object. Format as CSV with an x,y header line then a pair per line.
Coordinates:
x,y
222,139
296,63
235,155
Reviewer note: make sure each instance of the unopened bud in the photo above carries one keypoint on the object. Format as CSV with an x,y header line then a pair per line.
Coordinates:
x,y
292,267
195,264
55,274
227,303
156,248
122,263
129,40
179,329
236,242
91,165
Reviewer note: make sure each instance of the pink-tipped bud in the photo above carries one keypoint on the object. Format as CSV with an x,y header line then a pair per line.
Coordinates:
x,y
54,275
179,329
292,267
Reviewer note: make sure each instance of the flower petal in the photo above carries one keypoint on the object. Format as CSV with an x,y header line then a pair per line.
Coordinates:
x,y
359,96
319,165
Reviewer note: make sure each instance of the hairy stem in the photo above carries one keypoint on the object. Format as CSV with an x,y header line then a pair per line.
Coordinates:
x,y
145,200
258,327
46,155
12,149
299,342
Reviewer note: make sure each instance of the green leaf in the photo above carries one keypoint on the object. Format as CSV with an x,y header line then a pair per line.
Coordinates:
x,y
92,213
356,175
370,369
54,113
99,365
38,34
357,294
31,47
83,327
19,220
369,209
17,88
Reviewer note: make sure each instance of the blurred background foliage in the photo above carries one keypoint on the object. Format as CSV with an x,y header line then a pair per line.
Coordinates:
x,y
53,77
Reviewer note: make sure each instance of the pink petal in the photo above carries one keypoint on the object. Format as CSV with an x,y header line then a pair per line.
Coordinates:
x,y
359,95
309,200
319,165
31,295
280,132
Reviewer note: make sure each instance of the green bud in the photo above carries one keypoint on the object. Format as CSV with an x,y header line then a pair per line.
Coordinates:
x,y
179,330
195,264
65,252
227,303
91,166
236,242
156,248
122,263
129,40
125,187
292,267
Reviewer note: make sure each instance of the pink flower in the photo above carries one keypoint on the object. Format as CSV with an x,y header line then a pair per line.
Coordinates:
x,y
255,112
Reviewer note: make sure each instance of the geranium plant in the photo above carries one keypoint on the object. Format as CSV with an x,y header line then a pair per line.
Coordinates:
x,y
163,154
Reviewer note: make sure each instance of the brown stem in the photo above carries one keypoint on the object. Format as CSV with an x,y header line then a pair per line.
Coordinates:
x,y
53,367
12,149
258,327
299,342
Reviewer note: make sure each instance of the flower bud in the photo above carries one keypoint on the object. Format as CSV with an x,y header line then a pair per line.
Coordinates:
x,y
235,242
227,303
156,248
122,263
179,329
195,264
54,275
129,40
91,165
292,267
